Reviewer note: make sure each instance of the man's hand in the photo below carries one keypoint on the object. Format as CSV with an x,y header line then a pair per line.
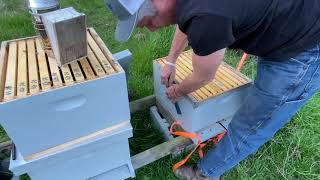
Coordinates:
x,y
168,73
173,93
179,43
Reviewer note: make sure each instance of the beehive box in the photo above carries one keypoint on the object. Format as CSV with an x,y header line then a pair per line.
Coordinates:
x,y
42,106
216,101
102,154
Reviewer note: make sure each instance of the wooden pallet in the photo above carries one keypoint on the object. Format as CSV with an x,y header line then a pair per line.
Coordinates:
x,y
26,69
226,78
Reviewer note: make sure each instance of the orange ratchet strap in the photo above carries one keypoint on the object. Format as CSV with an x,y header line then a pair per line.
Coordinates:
x,y
199,145
240,64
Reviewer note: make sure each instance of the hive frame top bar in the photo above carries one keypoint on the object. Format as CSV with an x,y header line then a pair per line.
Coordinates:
x,y
226,79
100,64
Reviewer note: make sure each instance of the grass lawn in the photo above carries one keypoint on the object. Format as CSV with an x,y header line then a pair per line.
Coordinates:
x,y
293,153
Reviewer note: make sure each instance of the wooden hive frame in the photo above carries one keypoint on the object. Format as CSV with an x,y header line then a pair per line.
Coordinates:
x,y
226,78
26,69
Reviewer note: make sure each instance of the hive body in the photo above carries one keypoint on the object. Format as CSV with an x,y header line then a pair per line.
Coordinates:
x,y
69,122
202,109
105,155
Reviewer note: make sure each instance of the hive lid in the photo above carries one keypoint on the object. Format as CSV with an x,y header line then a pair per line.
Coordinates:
x,y
226,78
26,69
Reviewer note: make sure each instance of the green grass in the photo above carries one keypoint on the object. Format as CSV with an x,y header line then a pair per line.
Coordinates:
x,y
293,153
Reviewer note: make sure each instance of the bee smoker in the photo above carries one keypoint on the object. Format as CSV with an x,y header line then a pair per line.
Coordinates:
x,y
36,8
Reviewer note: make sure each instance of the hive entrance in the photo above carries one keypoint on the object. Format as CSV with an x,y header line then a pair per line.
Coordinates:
x,y
27,69
226,78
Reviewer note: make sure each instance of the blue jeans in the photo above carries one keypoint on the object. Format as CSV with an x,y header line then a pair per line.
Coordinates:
x,y
279,91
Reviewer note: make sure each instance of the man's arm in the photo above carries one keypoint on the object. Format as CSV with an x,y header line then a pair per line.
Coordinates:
x,y
179,43
204,69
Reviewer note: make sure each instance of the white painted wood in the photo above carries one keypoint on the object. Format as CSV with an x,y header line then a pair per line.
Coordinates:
x,y
208,132
38,122
99,156
211,130
160,123
198,116
124,58
122,172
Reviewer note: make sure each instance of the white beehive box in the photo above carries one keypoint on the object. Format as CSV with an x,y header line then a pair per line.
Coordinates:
x,y
202,109
42,106
102,154
66,30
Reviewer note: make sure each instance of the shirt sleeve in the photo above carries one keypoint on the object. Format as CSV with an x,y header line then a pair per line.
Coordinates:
x,y
209,33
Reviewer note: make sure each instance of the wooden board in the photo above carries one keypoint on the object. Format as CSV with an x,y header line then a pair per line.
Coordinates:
x,y
66,74
22,85
3,67
43,67
143,103
104,48
155,153
87,69
99,71
77,71
55,73
32,67
11,79
99,54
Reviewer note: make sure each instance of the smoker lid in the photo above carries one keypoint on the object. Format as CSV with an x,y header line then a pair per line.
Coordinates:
x,y
43,4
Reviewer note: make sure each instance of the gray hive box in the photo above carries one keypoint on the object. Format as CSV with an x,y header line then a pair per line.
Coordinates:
x,y
42,106
204,110
103,155
66,30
